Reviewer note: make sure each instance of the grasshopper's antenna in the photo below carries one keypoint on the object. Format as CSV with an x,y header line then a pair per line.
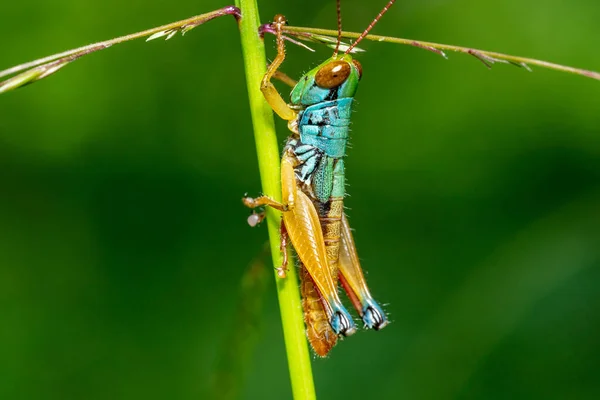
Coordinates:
x,y
339,21
371,25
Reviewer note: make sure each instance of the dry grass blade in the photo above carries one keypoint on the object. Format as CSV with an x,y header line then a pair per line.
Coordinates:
x,y
486,57
321,39
43,71
38,69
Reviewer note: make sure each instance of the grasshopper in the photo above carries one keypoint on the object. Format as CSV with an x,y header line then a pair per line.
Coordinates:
x,y
313,189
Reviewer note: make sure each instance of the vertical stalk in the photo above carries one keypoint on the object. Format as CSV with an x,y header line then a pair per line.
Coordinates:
x,y
268,161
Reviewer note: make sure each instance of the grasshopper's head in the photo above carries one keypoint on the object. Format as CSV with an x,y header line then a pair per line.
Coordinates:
x,y
336,78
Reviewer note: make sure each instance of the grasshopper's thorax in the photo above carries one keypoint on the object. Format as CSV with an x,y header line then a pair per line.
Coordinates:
x,y
324,97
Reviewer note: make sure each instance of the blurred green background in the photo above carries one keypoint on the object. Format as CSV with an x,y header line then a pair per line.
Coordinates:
x,y
475,196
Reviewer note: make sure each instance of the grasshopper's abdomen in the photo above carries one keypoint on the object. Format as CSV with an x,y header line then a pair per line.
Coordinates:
x,y
330,215
320,335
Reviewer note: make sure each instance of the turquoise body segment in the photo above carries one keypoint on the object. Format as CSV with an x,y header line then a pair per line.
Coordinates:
x,y
323,128
339,180
325,125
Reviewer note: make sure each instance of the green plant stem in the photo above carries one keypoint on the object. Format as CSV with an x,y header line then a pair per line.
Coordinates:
x,y
268,161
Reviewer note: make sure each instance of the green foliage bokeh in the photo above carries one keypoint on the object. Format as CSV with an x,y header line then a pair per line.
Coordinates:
x,y
474,194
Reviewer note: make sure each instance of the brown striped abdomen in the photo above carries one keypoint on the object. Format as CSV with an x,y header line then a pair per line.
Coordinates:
x,y
330,216
319,332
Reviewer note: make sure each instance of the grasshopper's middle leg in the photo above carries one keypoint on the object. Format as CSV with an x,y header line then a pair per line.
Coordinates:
x,y
288,183
283,77
262,201
267,201
289,189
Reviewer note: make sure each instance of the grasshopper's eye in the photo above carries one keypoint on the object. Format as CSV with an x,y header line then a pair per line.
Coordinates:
x,y
333,74
358,67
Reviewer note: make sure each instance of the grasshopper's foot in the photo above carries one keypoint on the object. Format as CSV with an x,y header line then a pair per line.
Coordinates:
x,y
255,218
341,322
250,202
262,201
373,316
281,272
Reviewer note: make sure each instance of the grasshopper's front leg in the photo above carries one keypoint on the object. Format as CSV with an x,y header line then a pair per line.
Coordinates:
x,y
277,103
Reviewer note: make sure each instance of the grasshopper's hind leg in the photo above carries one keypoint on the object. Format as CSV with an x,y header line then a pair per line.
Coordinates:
x,y
304,229
354,283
